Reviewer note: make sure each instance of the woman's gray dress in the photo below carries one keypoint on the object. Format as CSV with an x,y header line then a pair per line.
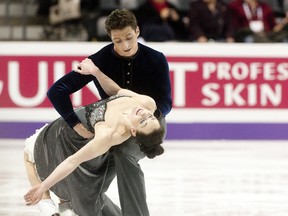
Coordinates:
x,y
85,186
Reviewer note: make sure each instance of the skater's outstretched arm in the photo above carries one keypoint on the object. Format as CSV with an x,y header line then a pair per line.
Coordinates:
x,y
106,137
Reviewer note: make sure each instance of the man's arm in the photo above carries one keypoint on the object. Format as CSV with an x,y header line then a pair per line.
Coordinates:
x,y
59,95
162,86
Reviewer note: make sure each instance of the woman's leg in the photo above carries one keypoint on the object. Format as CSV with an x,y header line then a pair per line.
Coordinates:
x,y
32,174
46,205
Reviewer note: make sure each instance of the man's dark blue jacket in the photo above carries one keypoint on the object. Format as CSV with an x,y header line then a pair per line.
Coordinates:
x,y
145,73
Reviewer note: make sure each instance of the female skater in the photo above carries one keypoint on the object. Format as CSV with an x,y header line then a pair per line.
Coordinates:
x,y
60,160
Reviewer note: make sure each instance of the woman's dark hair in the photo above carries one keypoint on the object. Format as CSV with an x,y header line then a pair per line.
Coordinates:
x,y
150,144
119,19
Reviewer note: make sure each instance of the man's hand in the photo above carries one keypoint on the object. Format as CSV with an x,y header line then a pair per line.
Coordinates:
x,y
82,131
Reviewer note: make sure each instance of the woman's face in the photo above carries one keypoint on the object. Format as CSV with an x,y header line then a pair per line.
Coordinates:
x,y
143,120
125,41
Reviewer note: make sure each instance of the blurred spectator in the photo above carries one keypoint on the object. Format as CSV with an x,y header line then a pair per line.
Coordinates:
x,y
255,22
105,8
90,13
276,6
160,21
182,5
209,21
284,21
44,7
131,4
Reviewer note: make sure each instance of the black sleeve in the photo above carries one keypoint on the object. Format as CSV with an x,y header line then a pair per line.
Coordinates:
x,y
59,94
162,86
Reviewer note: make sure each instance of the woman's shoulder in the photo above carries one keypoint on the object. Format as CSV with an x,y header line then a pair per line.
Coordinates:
x,y
146,101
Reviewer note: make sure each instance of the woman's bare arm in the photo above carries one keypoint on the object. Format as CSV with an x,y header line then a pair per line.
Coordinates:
x,y
87,67
145,100
106,137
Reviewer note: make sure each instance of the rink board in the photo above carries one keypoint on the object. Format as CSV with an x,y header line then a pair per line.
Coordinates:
x,y
219,91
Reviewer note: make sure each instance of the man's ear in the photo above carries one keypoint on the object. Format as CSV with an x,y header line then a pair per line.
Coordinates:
x,y
133,131
137,31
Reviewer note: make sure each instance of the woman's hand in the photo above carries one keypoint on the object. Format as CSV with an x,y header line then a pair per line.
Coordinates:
x,y
87,67
34,195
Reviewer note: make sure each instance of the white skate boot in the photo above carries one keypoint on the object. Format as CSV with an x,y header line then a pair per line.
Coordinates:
x,y
65,209
46,207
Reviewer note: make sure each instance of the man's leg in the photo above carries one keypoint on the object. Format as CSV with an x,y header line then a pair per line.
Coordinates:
x,y
110,209
130,178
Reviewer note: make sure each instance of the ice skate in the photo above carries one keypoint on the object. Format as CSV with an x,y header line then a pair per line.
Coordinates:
x,y
46,207
65,209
